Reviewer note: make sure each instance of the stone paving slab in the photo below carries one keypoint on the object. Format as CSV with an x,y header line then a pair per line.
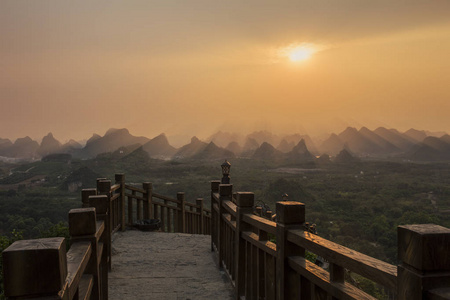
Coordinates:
x,y
157,265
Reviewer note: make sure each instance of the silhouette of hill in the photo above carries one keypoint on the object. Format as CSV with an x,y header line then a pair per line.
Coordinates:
x,y
308,141
358,142
71,146
436,143
111,141
332,145
431,149
194,147
222,139
22,148
136,157
300,153
5,143
234,147
212,151
267,152
416,135
49,145
93,138
435,133
445,138
381,142
382,145
264,136
345,157
285,146
250,147
159,147
394,137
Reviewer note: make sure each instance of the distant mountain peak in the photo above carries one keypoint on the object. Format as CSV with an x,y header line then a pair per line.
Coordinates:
x,y
285,146
159,147
49,145
267,152
110,142
191,149
345,156
301,145
116,131
416,135
212,151
194,139
93,138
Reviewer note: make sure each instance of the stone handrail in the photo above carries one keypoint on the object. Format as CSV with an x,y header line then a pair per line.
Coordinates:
x,y
129,203
266,259
42,269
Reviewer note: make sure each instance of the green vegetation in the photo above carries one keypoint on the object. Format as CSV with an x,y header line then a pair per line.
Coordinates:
x,y
5,241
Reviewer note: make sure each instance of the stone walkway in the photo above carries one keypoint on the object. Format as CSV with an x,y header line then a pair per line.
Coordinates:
x,y
165,266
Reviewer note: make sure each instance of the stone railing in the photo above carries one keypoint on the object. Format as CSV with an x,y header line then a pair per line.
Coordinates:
x,y
266,259
129,203
44,269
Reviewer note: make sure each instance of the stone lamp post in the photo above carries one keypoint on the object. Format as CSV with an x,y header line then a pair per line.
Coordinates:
x,y
225,172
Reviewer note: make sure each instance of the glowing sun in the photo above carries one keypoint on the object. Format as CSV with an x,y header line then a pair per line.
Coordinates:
x,y
300,53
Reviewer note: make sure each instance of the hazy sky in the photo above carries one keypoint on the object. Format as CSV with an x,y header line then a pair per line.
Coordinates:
x,y
193,67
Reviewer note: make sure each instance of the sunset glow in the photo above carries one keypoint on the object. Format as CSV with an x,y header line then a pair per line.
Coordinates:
x,y
167,66
300,53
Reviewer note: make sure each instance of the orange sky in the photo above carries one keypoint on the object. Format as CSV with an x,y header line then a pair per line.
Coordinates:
x,y
194,67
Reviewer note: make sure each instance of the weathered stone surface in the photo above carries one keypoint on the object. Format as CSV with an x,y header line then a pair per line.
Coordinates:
x,y
35,267
82,221
100,202
290,212
245,199
426,247
225,189
156,265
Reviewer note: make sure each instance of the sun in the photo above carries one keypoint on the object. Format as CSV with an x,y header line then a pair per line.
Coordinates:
x,y
300,53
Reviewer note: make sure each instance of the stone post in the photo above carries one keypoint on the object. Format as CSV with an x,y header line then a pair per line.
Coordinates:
x,y
290,215
225,193
181,212
33,268
101,205
214,218
104,188
199,209
424,254
148,206
85,193
244,205
120,179
98,182
83,227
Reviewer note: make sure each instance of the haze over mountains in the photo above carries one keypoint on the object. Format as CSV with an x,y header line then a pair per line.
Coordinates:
x,y
350,144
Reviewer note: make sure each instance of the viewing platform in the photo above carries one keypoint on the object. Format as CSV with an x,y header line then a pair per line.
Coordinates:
x,y
158,265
